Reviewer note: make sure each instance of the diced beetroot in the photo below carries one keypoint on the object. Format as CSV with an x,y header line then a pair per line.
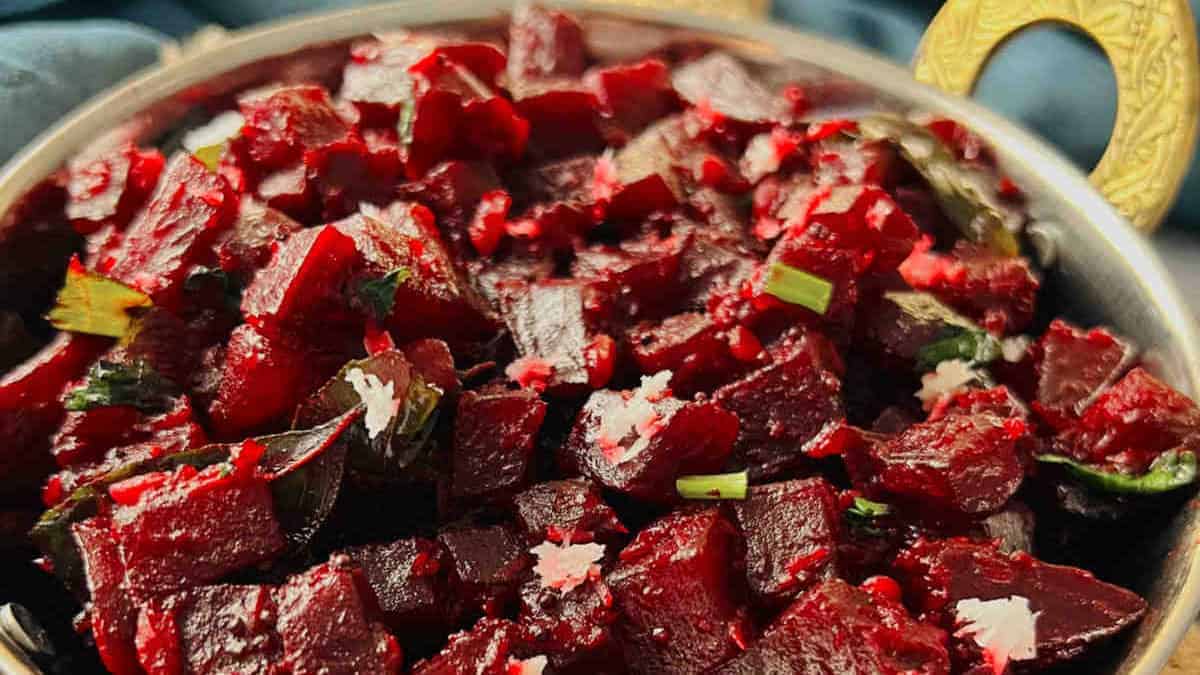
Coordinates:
x,y
1074,609
1074,367
1133,422
111,614
326,623
689,345
791,532
566,511
210,630
723,86
549,321
571,628
893,328
965,464
303,283
642,273
377,80
495,435
840,160
30,408
411,580
997,291
484,650
109,189
816,251
632,96
643,177
262,381
667,438
838,629
176,230
284,124
431,359
863,219
256,233
489,563
193,527
998,401
781,407
677,612
289,190
709,264
544,43
86,435
453,191
563,116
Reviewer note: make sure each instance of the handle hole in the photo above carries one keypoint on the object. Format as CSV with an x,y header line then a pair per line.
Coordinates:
x,y
1058,82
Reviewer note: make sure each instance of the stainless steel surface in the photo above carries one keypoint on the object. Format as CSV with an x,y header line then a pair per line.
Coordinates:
x,y
1108,270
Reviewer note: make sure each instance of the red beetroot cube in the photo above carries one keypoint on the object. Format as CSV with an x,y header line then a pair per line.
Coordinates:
x,y
285,123
326,623
175,231
709,264
109,189
997,291
837,629
841,160
377,81
692,347
289,190
572,628
303,283
676,608
1074,609
639,442
544,43
791,535
431,359
998,401
257,232
566,511
111,614
486,649
210,630
642,273
816,251
1074,367
642,177
186,528
964,464
550,321
86,435
781,408
495,436
411,580
489,564
633,95
722,84
1133,422
864,219
262,381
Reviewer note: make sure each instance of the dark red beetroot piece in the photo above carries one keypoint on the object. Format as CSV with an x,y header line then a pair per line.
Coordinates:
x,y
185,528
791,532
667,439
1074,608
1073,368
486,649
720,84
174,232
566,511
836,629
257,232
632,96
549,321
641,274
641,178
572,628
692,347
677,610
494,442
960,464
411,580
109,189
996,291
1132,423
290,124
489,564
780,408
111,614
544,43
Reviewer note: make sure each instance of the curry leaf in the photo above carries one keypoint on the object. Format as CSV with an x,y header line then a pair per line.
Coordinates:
x,y
94,304
379,295
135,384
1170,471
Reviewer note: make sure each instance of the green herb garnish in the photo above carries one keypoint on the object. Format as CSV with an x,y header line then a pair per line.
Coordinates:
x,y
379,295
135,384
404,126
1170,471
975,346
230,288
94,304
867,509
210,155
798,287
713,486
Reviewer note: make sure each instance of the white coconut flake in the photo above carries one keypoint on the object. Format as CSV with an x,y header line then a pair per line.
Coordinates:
x,y
877,215
379,398
567,566
218,130
950,376
1013,349
533,665
634,415
1004,628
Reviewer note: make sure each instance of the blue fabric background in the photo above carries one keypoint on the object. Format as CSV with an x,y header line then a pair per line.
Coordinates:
x,y
54,54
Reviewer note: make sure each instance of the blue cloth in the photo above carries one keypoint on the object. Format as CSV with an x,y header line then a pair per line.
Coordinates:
x,y
54,54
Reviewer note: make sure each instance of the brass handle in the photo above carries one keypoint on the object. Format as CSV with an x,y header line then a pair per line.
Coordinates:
x,y
1152,47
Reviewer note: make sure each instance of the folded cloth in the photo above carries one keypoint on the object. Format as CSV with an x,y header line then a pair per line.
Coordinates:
x,y
48,68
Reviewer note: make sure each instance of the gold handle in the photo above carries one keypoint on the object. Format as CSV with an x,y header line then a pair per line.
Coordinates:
x,y
1152,47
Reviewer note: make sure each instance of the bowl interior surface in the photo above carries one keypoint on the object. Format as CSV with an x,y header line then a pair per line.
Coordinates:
x,y
1105,272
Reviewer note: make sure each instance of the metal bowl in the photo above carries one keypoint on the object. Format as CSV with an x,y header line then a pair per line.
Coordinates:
x,y
1103,266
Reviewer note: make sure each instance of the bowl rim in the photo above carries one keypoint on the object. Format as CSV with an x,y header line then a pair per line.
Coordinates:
x,y
54,146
